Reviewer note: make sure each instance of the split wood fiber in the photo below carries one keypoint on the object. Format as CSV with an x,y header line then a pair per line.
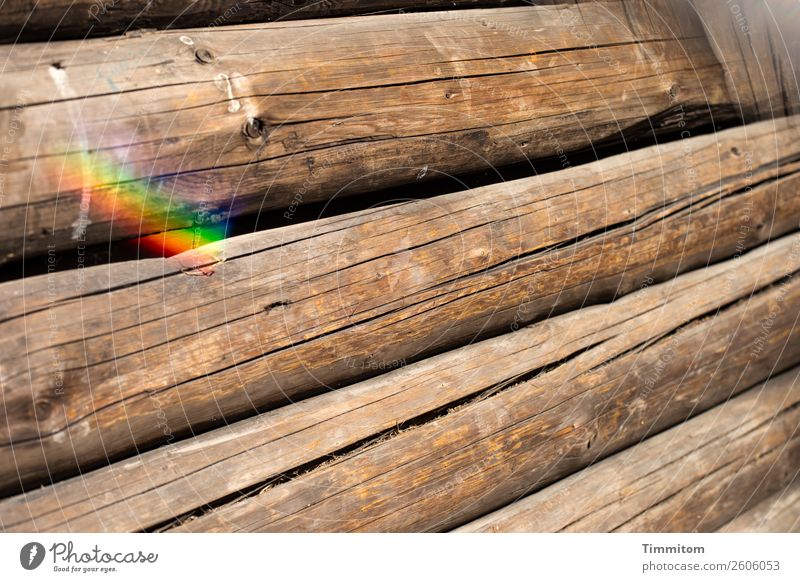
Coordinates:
x,y
694,477
97,363
490,453
779,513
30,20
178,478
114,138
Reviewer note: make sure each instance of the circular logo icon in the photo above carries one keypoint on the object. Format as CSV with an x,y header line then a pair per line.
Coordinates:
x,y
31,555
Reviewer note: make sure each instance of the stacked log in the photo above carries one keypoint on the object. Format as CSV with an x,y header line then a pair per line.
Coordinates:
x,y
621,371
692,477
288,314
172,129
483,456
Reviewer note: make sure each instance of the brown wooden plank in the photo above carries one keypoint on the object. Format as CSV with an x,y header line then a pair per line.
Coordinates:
x,y
180,477
105,132
104,373
30,20
487,454
692,477
780,513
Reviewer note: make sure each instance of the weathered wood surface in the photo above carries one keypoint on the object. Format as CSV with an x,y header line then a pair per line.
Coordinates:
x,y
28,20
290,113
180,477
779,513
758,43
90,373
694,477
487,454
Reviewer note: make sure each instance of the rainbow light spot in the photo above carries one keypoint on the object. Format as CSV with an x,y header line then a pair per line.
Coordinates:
x,y
119,196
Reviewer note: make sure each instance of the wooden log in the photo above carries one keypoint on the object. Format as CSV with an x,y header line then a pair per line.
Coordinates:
x,y
178,478
170,130
693,477
779,513
109,370
487,454
30,20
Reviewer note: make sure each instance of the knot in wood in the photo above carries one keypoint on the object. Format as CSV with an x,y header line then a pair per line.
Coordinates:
x,y
205,56
43,408
255,128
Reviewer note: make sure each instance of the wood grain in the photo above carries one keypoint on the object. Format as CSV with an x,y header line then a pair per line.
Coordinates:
x,y
178,478
115,138
95,375
30,20
693,477
779,513
487,454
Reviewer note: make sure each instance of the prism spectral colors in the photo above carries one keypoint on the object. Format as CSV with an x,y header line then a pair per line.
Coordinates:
x,y
110,191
